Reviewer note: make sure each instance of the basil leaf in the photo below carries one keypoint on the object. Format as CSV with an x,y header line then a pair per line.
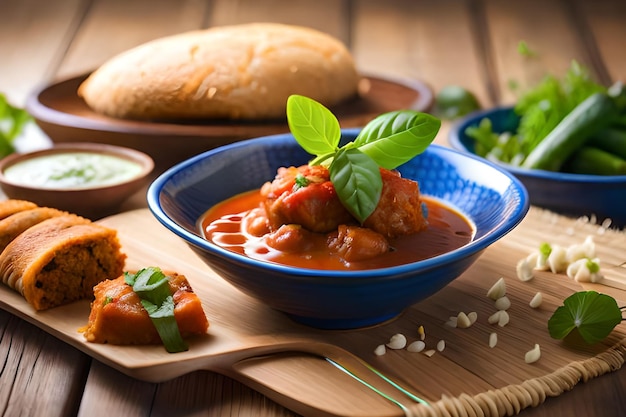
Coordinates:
x,y
152,287
314,127
592,314
162,316
388,141
394,138
150,284
357,181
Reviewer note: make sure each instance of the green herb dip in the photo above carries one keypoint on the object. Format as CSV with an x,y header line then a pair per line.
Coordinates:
x,y
72,170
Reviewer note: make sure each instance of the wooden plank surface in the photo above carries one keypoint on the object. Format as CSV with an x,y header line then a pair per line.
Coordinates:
x,y
602,26
409,39
549,34
119,394
38,33
139,21
33,364
330,16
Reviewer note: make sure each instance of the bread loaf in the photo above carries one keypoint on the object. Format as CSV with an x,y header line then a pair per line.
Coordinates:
x,y
230,72
60,260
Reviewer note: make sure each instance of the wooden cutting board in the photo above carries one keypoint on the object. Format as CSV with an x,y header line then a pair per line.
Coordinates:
x,y
245,335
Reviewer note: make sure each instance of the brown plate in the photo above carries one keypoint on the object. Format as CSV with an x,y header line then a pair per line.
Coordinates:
x,y
65,117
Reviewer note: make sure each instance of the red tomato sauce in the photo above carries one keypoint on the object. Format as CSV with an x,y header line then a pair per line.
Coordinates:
x,y
447,230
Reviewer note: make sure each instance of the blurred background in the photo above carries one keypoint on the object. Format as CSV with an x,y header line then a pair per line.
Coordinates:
x,y
474,43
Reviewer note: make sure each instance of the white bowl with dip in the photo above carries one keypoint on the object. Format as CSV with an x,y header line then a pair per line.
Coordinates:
x,y
89,179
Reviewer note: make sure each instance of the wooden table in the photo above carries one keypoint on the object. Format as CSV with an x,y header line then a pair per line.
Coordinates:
x,y
473,43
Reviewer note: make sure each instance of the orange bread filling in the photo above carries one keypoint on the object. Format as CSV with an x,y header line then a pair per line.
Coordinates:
x,y
118,317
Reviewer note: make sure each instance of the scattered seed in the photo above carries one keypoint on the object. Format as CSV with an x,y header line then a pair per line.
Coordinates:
x,y
416,346
503,303
493,340
380,350
429,352
503,320
497,290
536,301
421,333
452,321
472,316
541,261
585,250
494,318
537,261
533,355
397,341
441,345
579,270
524,270
462,321
557,260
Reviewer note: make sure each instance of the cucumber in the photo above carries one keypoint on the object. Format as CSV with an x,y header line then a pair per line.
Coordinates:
x,y
592,115
594,161
612,140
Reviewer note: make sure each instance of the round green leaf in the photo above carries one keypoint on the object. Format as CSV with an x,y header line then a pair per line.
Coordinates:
x,y
315,128
592,314
357,181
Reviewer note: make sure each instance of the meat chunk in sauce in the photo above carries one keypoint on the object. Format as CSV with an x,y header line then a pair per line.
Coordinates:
x,y
315,206
302,200
305,196
354,243
290,238
399,211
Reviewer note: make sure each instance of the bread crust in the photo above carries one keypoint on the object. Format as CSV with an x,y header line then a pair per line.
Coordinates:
x,y
13,225
60,260
229,72
12,206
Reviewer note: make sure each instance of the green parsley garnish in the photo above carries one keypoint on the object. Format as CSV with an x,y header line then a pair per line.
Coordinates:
x,y
301,181
591,314
152,287
388,141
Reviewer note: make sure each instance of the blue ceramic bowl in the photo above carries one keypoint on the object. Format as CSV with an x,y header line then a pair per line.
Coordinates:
x,y
569,194
489,196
